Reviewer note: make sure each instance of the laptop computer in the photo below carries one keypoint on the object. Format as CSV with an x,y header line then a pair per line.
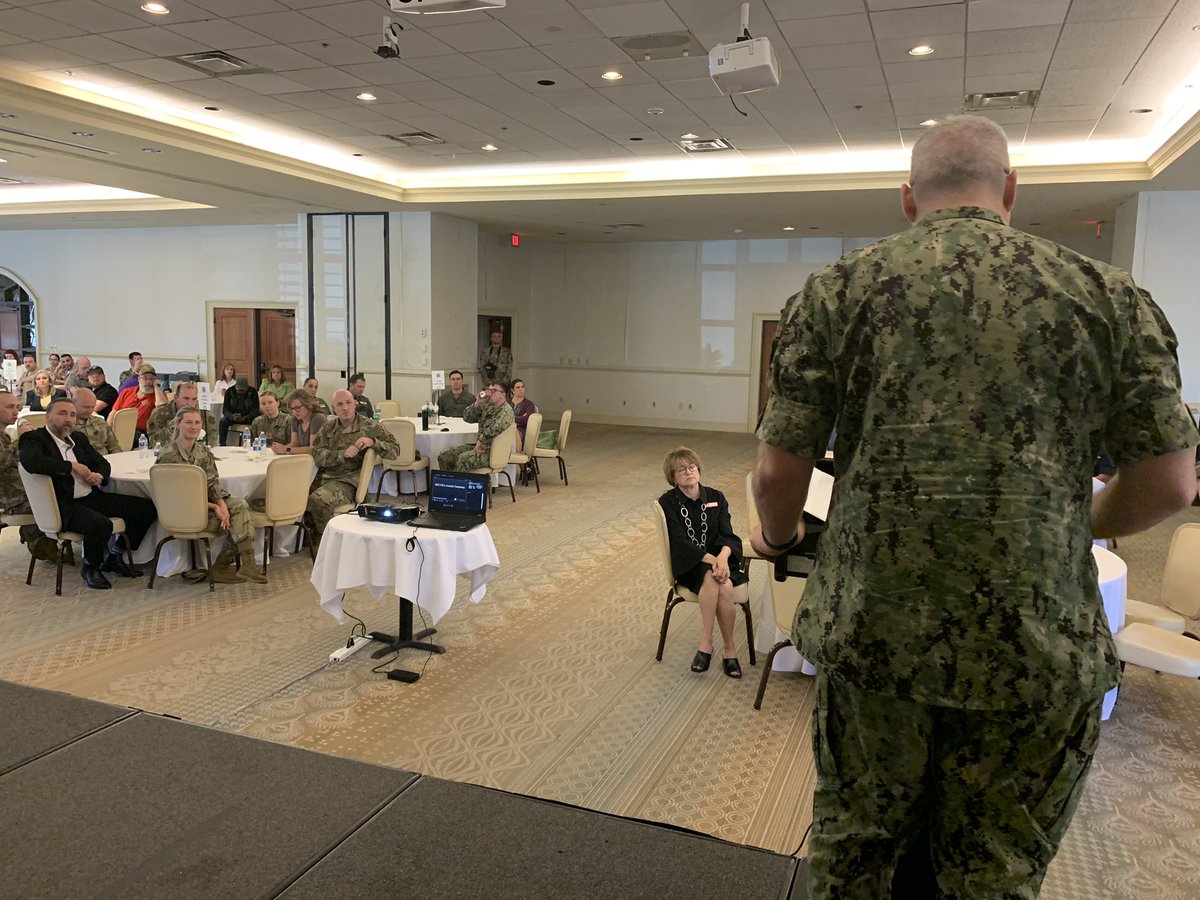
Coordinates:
x,y
457,501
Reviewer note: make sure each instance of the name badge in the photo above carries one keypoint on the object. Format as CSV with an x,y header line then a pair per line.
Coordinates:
x,y
710,505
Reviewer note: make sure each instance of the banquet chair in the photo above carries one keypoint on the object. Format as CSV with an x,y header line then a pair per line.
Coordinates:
x,y
369,461
123,423
288,480
556,452
405,433
180,494
677,594
502,447
40,491
1179,596
389,409
521,460
1158,649
785,597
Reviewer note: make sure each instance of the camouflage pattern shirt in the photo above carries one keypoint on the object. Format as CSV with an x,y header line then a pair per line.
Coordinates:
x,y
200,455
973,372
99,435
161,424
277,430
12,491
492,420
329,448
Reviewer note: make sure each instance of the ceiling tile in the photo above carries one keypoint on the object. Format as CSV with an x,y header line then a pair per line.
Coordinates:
x,y
861,53
1068,113
339,52
685,69
357,19
1009,81
562,81
941,70
481,37
687,90
453,66
324,78
1117,32
784,10
880,5
33,27
260,104
267,84
849,77
553,28
162,70
918,23
228,8
1164,62
519,59
32,55
383,72
1003,63
653,17
1012,40
97,48
92,17
313,99
485,86
837,98
1094,10
824,31
217,34
993,15
287,27
277,58
945,46
157,41
598,52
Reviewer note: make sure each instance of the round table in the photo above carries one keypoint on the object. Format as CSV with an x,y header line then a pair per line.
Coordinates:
x,y
242,474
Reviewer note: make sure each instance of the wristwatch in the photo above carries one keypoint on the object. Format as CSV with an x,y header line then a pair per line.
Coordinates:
x,y
289,449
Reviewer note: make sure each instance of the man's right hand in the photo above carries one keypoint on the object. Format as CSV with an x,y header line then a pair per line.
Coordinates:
x,y
756,541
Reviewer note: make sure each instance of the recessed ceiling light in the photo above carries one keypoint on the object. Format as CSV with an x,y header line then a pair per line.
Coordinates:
x,y
69,73
688,137
655,111
157,9
929,123
366,96
789,228
920,50
1142,110
737,231
612,75
489,147
637,139
213,108
151,150
84,133
358,154
546,82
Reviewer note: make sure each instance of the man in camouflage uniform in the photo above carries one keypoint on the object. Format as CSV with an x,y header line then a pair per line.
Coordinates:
x,y
495,360
954,614
93,427
275,425
161,425
337,450
493,414
12,492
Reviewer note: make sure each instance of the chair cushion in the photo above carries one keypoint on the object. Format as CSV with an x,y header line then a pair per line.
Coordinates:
x,y
1154,615
1163,651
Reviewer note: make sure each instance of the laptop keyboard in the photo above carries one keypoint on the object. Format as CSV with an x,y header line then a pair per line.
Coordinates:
x,y
454,518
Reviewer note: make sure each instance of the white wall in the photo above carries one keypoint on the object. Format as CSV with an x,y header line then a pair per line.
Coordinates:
x,y
1161,253
454,289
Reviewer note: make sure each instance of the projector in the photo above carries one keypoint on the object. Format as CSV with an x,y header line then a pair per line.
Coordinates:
x,y
744,66
381,512
437,7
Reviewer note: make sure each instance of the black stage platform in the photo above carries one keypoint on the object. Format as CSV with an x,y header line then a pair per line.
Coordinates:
x,y
103,801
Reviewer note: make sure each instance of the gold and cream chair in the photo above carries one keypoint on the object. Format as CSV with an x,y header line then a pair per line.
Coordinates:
x,y
1179,596
389,409
405,433
180,494
555,452
501,451
521,459
287,483
123,423
785,597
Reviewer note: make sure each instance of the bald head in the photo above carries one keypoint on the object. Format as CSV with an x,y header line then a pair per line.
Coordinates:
x,y
961,161
85,402
344,406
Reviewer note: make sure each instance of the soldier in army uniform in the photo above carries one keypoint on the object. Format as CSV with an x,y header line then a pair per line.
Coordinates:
x,y
225,512
337,450
953,612
492,412
495,360
274,425
93,427
160,429
12,492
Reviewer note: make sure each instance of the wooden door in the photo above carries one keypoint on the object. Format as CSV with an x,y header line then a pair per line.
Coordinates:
x,y
769,327
10,330
277,342
234,342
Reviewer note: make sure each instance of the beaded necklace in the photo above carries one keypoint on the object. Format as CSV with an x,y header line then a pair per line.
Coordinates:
x,y
687,521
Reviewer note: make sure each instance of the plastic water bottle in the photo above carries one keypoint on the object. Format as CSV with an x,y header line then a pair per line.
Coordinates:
x,y
378,414
246,441
143,446
157,448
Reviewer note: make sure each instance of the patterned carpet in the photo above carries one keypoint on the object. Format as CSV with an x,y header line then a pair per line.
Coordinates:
x,y
549,686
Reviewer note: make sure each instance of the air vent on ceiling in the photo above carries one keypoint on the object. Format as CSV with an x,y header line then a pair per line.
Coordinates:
x,y
218,63
55,141
705,145
668,45
415,139
999,100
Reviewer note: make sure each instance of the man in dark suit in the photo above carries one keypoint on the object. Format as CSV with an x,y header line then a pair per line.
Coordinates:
x,y
77,469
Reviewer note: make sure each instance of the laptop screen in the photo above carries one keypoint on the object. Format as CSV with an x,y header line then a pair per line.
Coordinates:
x,y
458,492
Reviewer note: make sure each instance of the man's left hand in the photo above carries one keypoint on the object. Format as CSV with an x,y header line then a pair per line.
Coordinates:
x,y
479,448
756,541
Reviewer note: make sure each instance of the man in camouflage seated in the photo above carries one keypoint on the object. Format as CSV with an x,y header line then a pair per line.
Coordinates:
x,y
94,427
492,412
337,450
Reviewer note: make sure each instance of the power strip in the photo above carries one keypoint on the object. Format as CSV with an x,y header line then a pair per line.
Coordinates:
x,y
342,652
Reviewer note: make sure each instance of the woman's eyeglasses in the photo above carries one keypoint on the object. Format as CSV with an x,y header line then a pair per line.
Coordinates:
x,y
683,470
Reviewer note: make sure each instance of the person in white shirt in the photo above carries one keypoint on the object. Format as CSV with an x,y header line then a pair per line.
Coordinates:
x,y
227,380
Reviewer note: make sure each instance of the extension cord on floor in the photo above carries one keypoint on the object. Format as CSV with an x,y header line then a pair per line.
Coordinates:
x,y
342,652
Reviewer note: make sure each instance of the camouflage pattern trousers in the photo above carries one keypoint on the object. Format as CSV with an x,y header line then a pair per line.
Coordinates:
x,y
463,458
324,499
968,803
241,526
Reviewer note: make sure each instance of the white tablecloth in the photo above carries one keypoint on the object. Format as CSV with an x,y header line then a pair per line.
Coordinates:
x,y
356,552
242,474
1112,576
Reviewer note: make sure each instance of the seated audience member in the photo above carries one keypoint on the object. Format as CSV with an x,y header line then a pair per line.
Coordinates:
x,y
43,392
456,399
27,374
240,407
495,360
523,408
14,356
143,396
706,556
337,450
13,501
66,365
160,429
492,412
358,384
77,470
312,386
53,363
227,380
274,383
128,378
306,421
106,394
272,424
93,427
225,512
78,377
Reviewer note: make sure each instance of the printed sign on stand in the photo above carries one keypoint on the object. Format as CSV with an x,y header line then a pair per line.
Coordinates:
x,y
439,379
205,394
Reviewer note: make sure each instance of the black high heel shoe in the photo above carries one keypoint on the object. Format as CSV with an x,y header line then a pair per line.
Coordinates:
x,y
733,668
700,661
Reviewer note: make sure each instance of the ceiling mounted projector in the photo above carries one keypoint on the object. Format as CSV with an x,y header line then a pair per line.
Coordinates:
x,y
441,7
747,65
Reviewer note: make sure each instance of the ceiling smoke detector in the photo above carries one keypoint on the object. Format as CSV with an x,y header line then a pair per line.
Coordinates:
x,y
705,145
1000,100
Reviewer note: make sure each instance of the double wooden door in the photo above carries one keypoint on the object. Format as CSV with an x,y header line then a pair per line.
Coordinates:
x,y
253,340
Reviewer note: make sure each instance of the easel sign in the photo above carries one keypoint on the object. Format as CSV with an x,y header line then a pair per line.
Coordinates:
x,y
205,395
10,369
439,379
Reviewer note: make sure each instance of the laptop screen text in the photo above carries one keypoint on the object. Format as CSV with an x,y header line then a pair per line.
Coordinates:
x,y
458,492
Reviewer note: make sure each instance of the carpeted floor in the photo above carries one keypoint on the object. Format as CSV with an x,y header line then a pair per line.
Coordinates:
x,y
549,686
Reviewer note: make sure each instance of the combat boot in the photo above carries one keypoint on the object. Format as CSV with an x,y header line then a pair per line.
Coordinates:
x,y
249,568
223,571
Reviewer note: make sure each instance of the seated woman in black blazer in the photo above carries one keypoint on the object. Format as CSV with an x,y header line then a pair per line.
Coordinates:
x,y
43,392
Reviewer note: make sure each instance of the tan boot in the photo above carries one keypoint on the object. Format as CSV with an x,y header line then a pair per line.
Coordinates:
x,y
250,570
223,571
